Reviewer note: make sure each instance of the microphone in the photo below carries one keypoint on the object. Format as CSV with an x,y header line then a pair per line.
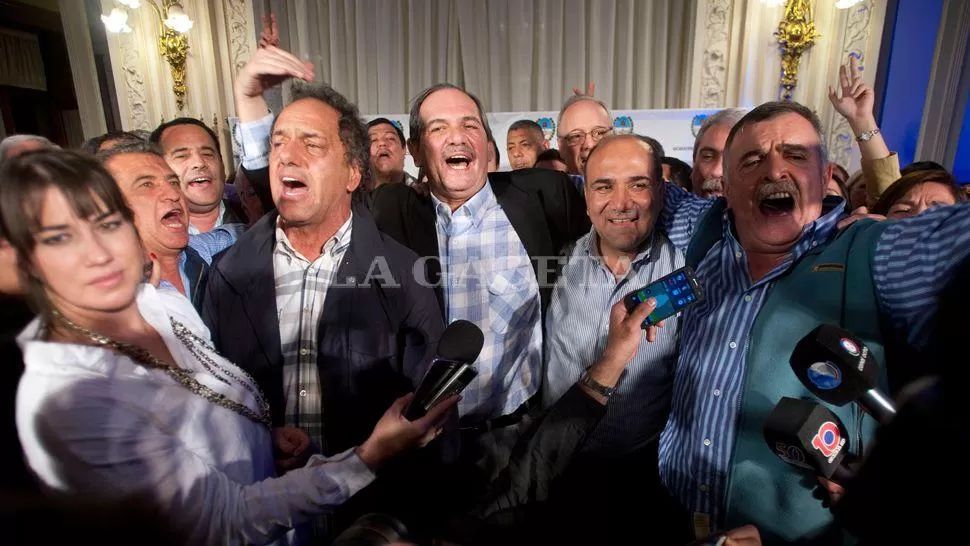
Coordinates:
x,y
461,341
837,367
451,371
807,435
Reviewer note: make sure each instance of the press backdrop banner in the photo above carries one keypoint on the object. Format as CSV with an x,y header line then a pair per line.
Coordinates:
x,y
675,129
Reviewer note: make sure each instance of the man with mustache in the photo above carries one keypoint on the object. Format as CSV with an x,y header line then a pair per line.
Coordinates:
x,y
622,252
706,175
161,216
524,142
192,150
488,242
774,265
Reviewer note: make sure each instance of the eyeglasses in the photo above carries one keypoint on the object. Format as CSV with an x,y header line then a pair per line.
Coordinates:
x,y
577,137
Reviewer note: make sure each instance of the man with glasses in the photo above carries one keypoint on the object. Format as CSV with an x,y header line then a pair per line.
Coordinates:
x,y
583,121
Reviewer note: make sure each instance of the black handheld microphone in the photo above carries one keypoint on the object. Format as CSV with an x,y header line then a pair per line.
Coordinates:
x,y
451,371
807,435
838,368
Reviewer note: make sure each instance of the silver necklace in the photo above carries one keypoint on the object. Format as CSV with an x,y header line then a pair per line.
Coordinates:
x,y
182,377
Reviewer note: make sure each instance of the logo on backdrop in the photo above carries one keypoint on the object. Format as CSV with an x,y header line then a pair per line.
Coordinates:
x,y
695,124
828,440
622,125
548,127
397,124
849,346
824,375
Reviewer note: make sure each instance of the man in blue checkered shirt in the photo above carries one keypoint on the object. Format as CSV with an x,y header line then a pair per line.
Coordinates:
x,y
490,242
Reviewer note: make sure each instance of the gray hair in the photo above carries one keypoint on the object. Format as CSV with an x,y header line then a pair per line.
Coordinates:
x,y
416,126
728,117
350,127
573,100
12,141
129,146
771,110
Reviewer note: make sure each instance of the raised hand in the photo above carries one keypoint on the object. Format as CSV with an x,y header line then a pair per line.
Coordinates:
x,y
269,67
854,100
590,89
270,37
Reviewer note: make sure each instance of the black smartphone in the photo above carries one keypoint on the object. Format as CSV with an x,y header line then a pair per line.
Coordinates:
x,y
443,378
674,293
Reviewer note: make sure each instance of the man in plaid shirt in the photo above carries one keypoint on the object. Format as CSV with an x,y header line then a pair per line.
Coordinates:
x,y
313,301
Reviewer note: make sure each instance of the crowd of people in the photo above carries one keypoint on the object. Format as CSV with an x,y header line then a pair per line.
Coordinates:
x,y
229,359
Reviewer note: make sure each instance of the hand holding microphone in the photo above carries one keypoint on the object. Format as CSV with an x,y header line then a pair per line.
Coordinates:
x,y
451,371
837,367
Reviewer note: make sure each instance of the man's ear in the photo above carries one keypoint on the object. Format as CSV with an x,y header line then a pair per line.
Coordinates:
x,y
414,148
545,144
354,181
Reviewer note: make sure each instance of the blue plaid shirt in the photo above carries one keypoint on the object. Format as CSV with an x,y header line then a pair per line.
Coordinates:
x,y
207,244
914,260
489,280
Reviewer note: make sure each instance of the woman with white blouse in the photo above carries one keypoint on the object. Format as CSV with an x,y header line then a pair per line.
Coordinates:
x,y
123,393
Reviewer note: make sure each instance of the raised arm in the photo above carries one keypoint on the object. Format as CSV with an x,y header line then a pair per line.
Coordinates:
x,y
854,100
914,259
682,211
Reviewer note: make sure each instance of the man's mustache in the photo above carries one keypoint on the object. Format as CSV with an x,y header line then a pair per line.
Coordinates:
x,y
777,186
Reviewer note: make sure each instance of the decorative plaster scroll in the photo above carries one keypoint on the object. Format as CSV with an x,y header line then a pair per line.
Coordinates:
x,y
135,92
236,15
855,44
714,72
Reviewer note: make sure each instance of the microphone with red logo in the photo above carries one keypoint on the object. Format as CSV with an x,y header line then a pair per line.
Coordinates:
x,y
806,434
838,368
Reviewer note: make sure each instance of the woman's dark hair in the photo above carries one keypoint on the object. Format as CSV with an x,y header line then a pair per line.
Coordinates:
x,y
24,181
901,187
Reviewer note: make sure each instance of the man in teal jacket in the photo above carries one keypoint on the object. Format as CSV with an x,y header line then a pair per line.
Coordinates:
x,y
774,265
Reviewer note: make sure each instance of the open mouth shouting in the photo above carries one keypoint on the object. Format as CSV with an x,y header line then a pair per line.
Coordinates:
x,y
459,161
200,182
292,188
174,219
777,198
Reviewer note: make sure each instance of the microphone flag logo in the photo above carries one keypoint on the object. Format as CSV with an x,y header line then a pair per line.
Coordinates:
x,y
824,375
828,440
849,346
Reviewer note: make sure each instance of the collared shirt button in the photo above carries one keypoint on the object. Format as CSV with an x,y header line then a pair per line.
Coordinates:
x,y
303,352
733,345
303,392
707,441
737,254
703,487
747,297
717,392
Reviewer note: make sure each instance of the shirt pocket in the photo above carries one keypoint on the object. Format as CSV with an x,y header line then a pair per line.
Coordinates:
x,y
509,292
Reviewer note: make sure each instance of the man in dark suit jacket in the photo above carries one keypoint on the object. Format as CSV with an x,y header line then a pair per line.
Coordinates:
x,y
490,244
313,301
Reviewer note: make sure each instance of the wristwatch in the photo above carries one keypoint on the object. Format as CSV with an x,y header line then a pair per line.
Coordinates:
x,y
866,136
596,387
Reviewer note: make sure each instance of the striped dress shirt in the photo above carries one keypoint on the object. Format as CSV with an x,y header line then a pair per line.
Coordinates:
x,y
914,260
577,324
489,280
